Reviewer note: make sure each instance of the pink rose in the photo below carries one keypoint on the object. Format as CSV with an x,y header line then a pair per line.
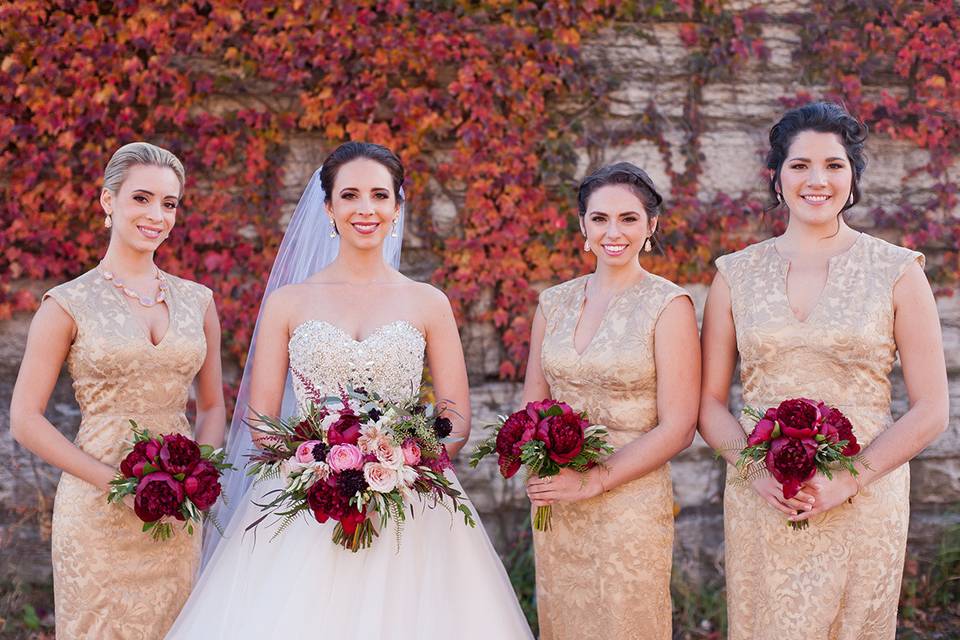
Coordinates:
x,y
411,452
380,477
304,453
387,453
344,456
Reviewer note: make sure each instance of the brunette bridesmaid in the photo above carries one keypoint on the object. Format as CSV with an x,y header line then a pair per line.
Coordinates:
x,y
134,339
621,344
821,312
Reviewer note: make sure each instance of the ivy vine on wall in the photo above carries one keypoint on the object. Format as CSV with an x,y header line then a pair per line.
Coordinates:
x,y
490,99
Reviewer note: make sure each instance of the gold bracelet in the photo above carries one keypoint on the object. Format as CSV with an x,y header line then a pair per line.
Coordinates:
x,y
850,499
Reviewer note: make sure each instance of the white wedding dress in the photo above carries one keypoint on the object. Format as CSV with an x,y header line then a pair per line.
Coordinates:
x,y
445,581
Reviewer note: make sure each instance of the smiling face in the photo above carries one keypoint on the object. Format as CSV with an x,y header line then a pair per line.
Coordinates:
x,y
816,178
144,208
363,205
616,225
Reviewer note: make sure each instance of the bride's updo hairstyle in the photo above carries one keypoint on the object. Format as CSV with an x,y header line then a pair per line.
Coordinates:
x,y
628,175
822,117
350,151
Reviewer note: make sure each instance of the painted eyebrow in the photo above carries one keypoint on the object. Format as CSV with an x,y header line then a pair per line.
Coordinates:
x,y
834,159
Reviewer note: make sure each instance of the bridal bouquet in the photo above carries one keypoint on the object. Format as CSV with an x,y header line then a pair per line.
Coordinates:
x,y
796,440
354,455
544,437
169,476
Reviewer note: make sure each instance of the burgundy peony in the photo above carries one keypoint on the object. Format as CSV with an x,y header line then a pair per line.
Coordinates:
x,y
144,452
346,429
158,495
763,431
326,500
799,418
178,454
203,484
837,427
791,461
563,435
516,431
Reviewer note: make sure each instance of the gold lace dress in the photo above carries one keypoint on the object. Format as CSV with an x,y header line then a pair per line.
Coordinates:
x,y
111,580
603,571
840,578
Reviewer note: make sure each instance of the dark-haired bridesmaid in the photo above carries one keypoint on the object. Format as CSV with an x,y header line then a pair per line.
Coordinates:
x,y
135,339
821,312
621,344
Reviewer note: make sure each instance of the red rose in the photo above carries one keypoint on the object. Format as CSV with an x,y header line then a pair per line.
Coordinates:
x,y
516,431
837,427
798,418
203,484
791,461
158,495
325,500
763,431
178,454
346,429
144,452
563,436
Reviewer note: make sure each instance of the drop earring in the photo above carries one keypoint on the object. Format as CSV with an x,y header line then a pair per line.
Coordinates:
x,y
586,246
647,246
333,228
108,221
393,231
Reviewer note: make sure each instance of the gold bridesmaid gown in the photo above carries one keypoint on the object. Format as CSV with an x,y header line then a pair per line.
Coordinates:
x,y
840,578
111,580
603,571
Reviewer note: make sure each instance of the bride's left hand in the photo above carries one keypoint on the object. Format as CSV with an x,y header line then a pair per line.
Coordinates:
x,y
566,486
828,493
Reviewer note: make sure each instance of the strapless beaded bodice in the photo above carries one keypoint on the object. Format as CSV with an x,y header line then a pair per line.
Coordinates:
x,y
388,362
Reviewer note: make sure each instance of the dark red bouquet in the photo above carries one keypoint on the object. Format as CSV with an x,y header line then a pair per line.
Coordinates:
x,y
796,440
544,437
169,476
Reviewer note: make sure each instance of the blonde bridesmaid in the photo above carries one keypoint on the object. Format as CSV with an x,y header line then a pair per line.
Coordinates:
x,y
134,339
621,344
821,312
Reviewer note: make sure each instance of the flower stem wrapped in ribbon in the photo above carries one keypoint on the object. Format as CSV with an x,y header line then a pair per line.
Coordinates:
x,y
544,437
795,440
169,476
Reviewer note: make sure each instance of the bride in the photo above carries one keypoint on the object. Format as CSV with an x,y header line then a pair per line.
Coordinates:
x,y
338,311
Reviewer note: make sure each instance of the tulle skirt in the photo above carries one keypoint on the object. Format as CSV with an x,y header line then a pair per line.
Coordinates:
x,y
445,581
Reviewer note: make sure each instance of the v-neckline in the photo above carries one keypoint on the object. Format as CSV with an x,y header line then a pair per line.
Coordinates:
x,y
582,291
785,266
123,301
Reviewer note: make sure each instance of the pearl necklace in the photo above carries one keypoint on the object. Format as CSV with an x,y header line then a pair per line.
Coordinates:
x,y
130,293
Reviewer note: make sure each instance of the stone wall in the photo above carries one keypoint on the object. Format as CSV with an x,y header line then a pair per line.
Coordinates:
x,y
652,64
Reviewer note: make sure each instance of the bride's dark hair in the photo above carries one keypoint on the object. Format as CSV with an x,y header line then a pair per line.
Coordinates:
x,y
350,151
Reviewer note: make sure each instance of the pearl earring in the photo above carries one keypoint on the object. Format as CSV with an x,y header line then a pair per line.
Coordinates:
x,y
393,232
333,228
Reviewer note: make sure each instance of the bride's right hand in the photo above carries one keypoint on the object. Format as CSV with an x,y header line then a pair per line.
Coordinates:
x,y
771,491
